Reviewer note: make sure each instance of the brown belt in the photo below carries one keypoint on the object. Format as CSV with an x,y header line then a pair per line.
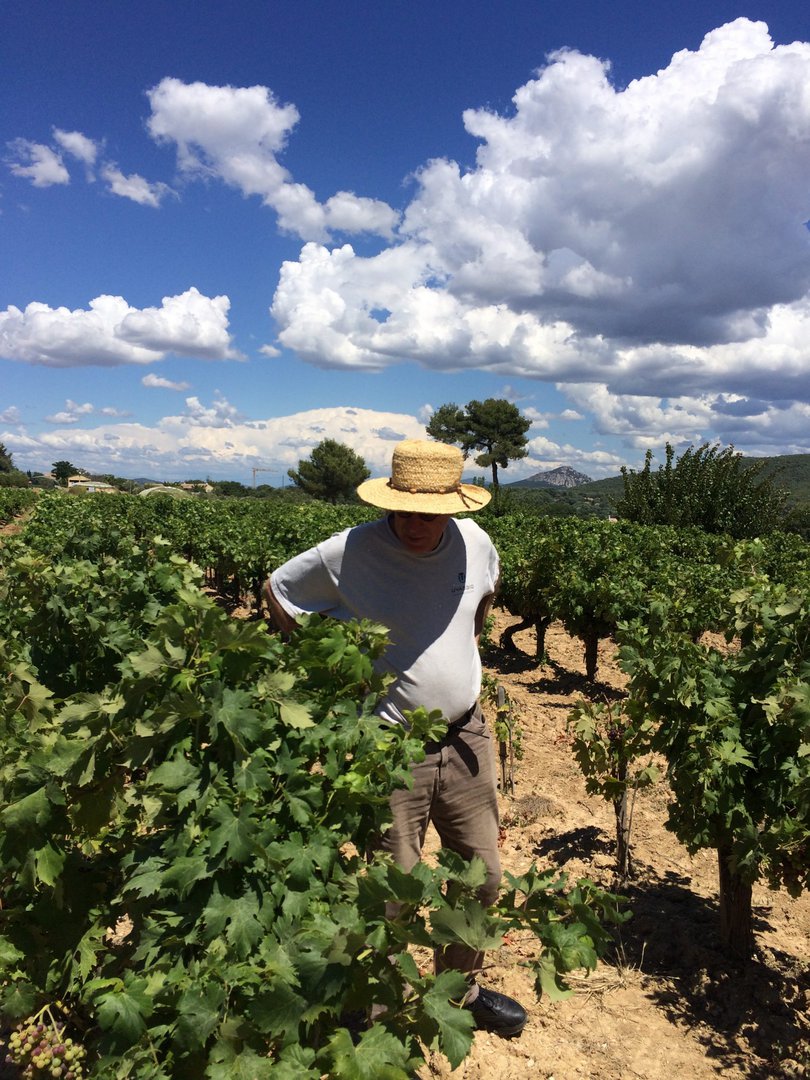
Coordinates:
x,y
464,716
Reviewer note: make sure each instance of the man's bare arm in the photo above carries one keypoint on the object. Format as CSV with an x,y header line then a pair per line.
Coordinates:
x,y
482,612
278,616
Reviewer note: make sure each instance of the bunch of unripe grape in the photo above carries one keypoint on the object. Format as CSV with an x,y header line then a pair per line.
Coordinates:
x,y
37,1046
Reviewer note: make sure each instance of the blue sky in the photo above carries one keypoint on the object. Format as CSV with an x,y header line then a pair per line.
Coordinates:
x,y
227,232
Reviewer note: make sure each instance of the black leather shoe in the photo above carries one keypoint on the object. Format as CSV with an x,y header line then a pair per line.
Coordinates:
x,y
497,1012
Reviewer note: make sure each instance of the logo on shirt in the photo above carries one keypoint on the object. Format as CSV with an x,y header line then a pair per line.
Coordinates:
x,y
462,585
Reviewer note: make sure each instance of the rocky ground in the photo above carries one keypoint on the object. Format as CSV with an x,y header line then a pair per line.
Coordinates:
x,y
668,1002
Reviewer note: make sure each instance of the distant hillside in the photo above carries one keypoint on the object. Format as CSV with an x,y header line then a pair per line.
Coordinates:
x,y
791,471
612,487
598,498
562,477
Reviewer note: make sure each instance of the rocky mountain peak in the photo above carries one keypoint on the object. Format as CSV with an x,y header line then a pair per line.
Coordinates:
x,y
563,476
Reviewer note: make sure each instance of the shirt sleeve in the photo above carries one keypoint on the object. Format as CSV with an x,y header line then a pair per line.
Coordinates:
x,y
494,569
304,584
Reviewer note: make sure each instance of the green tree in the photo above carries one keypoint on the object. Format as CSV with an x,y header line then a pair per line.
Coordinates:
x,y
62,470
40,480
494,428
120,482
448,424
231,489
6,463
332,472
9,476
713,489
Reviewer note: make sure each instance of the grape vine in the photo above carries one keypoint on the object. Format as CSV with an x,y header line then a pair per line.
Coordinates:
x,y
182,772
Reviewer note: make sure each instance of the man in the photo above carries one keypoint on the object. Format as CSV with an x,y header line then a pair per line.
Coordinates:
x,y
430,579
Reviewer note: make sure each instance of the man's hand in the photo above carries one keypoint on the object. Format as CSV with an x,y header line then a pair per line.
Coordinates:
x,y
282,622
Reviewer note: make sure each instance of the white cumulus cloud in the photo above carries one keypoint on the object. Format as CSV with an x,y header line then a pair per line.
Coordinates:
x,y
759,427
649,239
219,415
77,145
236,134
338,309
74,411
215,440
158,382
112,332
43,166
545,454
134,187
37,163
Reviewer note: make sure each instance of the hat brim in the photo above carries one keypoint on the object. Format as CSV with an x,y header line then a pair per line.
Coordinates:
x,y
467,498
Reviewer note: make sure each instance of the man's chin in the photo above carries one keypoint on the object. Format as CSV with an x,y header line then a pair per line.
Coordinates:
x,y
417,547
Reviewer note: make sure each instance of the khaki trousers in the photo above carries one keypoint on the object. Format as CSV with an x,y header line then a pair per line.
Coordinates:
x,y
455,788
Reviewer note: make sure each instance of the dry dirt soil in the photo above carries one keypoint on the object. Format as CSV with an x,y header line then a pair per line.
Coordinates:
x,y
667,1003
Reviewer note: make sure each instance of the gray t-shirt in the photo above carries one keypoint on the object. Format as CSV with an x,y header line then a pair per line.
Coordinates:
x,y
428,602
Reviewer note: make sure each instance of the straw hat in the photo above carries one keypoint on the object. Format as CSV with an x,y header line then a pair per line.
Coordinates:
x,y
425,478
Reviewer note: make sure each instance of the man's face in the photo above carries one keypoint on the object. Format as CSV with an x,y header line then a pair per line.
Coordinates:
x,y
420,533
